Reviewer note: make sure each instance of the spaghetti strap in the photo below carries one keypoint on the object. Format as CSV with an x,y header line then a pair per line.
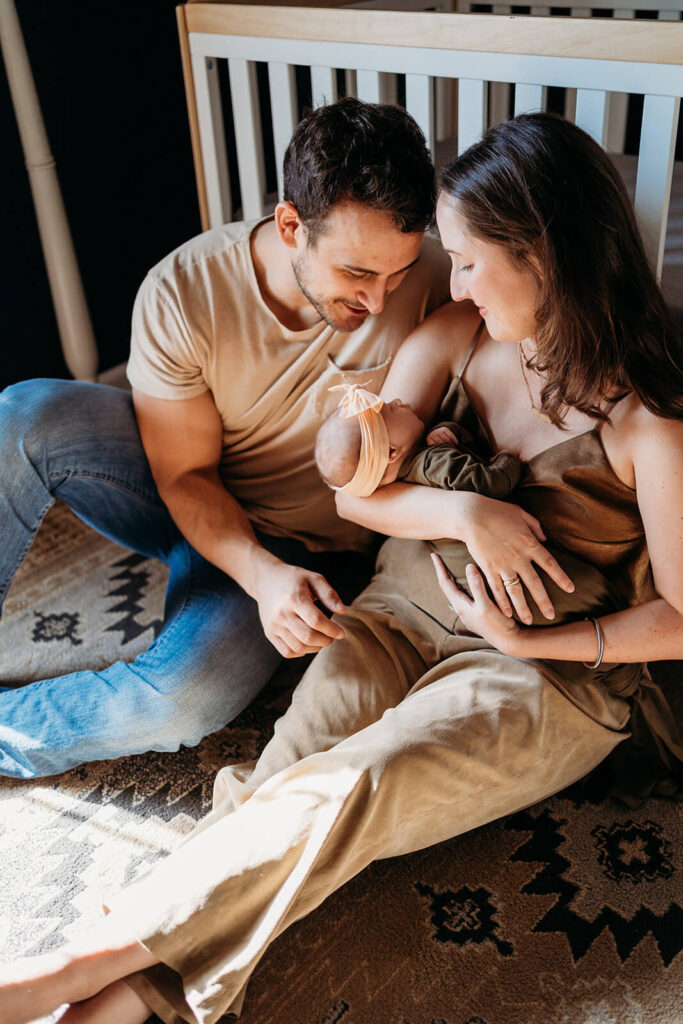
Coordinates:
x,y
447,400
470,353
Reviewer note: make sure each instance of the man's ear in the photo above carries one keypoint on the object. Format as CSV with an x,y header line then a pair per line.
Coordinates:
x,y
395,453
289,224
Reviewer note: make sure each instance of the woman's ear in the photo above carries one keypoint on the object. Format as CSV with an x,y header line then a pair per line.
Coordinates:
x,y
394,453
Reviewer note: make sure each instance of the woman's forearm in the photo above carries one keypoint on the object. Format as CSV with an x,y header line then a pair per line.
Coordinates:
x,y
411,511
649,632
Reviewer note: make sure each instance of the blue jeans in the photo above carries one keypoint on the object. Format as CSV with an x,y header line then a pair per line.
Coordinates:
x,y
80,443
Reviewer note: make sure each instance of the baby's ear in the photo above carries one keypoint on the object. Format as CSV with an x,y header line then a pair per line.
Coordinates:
x,y
395,453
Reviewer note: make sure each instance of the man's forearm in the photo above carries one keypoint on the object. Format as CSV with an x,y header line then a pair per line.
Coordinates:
x,y
216,525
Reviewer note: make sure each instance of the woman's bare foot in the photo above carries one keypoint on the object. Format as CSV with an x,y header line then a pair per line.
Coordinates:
x,y
34,987
116,1004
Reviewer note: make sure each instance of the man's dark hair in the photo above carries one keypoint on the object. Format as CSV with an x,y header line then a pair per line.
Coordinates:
x,y
363,152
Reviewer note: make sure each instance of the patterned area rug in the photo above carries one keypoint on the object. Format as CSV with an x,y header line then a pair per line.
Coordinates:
x,y
568,912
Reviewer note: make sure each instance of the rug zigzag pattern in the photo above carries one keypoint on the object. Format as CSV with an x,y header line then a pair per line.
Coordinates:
x,y
543,845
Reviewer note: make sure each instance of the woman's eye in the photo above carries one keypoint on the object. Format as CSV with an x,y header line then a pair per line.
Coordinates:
x,y
468,267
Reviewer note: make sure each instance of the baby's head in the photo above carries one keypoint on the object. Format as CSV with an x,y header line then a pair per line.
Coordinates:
x,y
363,443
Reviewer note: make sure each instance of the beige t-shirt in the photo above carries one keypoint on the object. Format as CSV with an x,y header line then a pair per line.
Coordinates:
x,y
200,323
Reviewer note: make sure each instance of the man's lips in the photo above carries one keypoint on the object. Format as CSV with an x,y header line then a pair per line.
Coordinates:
x,y
357,311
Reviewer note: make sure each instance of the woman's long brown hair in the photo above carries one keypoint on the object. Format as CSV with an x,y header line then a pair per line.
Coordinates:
x,y
547,193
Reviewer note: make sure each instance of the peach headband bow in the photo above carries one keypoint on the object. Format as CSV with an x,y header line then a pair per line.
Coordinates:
x,y
374,440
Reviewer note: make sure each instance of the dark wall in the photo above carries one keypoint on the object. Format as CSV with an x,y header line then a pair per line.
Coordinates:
x,y
109,80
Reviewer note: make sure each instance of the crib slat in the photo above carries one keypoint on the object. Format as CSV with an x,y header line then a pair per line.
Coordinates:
x,y
376,87
420,104
324,86
471,112
212,139
655,167
592,112
529,99
248,136
282,82
367,86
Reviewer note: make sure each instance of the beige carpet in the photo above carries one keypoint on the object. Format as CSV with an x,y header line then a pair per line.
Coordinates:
x,y
567,913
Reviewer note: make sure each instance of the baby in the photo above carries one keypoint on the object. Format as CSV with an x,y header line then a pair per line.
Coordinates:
x,y
368,443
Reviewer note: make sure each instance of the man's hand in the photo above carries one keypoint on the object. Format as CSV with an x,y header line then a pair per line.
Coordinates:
x,y
441,435
286,596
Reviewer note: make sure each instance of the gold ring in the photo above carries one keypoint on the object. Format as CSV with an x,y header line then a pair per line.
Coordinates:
x,y
514,581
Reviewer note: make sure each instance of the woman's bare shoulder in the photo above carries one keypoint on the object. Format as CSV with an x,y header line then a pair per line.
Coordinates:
x,y
636,424
648,443
449,329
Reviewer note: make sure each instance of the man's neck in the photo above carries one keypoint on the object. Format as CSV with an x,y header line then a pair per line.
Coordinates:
x,y
276,280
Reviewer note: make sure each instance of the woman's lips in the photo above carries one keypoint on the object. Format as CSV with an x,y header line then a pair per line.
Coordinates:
x,y
483,311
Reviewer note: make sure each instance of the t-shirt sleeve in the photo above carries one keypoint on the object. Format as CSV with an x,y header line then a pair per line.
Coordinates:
x,y
164,360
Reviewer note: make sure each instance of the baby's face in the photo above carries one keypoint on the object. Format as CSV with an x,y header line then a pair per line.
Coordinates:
x,y
403,426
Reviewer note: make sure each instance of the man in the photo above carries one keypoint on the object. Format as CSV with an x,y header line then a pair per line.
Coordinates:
x,y
237,337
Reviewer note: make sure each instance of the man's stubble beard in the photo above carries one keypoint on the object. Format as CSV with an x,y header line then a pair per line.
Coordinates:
x,y
325,309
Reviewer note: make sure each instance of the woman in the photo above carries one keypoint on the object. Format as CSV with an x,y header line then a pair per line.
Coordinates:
x,y
427,720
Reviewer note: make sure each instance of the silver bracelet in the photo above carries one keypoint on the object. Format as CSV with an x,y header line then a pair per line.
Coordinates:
x,y
601,645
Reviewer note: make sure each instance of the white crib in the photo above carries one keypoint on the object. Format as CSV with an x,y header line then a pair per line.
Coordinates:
x,y
596,57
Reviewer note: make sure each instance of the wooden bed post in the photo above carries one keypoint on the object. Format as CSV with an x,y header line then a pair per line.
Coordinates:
x,y
68,297
192,114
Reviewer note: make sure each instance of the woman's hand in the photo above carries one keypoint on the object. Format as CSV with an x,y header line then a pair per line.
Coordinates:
x,y
505,542
480,615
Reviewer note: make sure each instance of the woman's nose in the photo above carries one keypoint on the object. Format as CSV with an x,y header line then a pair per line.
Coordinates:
x,y
458,293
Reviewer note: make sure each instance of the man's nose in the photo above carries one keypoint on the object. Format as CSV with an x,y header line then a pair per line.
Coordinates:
x,y
374,296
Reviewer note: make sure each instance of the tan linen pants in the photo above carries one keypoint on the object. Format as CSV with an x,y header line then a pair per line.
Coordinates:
x,y
405,733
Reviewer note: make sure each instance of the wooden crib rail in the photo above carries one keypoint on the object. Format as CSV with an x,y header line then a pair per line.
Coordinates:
x,y
594,56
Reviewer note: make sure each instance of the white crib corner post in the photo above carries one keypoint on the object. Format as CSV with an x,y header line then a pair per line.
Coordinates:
x,y
655,169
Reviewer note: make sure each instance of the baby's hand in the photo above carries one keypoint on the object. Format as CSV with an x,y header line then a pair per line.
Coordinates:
x,y
441,435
